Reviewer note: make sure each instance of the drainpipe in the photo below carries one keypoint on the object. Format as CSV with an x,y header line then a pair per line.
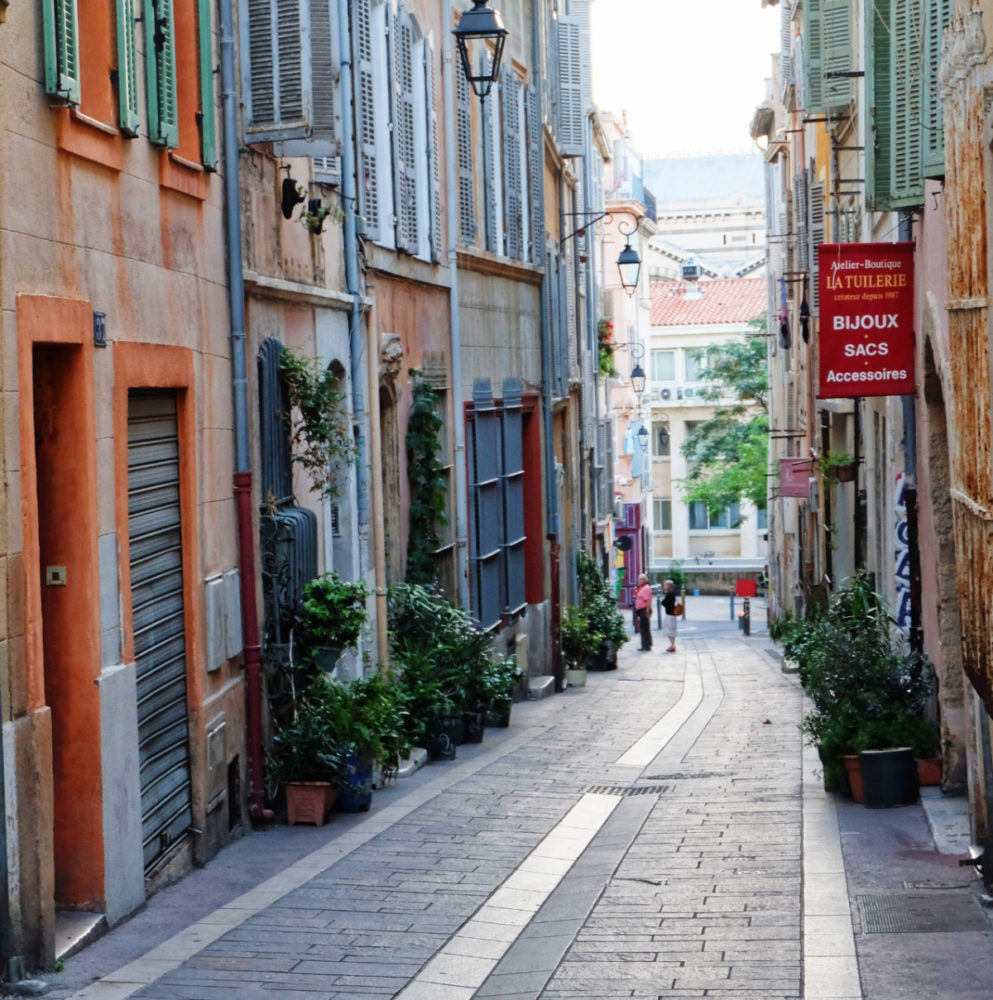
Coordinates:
x,y
6,944
551,493
242,463
458,402
351,249
378,512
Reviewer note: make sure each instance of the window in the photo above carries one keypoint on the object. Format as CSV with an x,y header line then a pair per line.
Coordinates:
x,y
663,366
662,514
703,519
101,77
696,365
661,440
762,519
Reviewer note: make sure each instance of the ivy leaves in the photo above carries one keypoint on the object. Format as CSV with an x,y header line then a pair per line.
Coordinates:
x,y
428,485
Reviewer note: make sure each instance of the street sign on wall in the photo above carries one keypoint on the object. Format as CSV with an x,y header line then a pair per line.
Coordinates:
x,y
866,338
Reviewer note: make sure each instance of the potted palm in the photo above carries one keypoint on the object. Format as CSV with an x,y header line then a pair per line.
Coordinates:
x,y
331,618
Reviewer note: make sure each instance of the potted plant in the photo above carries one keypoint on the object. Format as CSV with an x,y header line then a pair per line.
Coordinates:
x,y
579,643
501,679
332,616
307,760
868,692
600,609
837,467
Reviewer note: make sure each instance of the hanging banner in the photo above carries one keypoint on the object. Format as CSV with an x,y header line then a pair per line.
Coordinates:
x,y
794,477
866,336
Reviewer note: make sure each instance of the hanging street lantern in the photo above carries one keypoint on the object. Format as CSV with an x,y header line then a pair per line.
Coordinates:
x,y
480,36
629,263
638,379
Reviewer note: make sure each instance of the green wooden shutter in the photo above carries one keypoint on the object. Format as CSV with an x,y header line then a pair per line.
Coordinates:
x,y
938,14
60,26
127,69
160,73
207,118
878,88
907,91
813,49
836,55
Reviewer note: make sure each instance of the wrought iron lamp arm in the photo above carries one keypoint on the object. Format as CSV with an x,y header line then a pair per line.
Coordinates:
x,y
589,219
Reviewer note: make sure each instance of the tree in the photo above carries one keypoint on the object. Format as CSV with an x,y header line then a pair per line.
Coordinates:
x,y
728,454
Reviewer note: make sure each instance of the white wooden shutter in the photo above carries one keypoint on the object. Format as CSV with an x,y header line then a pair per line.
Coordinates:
x,y
431,92
786,42
463,138
813,47
536,177
490,104
276,70
572,110
818,234
512,178
404,152
365,115
800,209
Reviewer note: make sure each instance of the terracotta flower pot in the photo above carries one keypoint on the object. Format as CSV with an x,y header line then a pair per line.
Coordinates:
x,y
929,771
854,767
309,801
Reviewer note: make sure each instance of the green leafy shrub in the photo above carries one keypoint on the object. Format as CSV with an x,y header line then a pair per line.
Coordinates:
x,y
426,476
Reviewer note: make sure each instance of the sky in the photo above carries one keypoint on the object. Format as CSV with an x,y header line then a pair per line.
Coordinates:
x,y
689,73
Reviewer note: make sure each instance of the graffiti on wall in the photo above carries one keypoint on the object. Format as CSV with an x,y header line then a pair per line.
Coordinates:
x,y
902,555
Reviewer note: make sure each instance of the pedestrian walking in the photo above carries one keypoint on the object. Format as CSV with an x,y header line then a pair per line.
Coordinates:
x,y
643,612
672,608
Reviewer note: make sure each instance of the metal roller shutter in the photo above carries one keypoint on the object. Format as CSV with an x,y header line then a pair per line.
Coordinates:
x,y
156,560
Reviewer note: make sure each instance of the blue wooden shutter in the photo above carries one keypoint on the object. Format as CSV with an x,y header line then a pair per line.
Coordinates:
x,y
513,205
485,504
275,49
208,130
127,69
572,111
937,14
365,115
463,138
160,73
536,177
61,43
512,480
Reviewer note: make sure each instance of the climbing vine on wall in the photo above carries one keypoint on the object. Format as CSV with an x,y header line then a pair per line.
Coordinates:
x,y
426,476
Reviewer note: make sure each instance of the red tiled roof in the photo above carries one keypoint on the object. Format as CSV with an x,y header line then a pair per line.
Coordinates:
x,y
724,300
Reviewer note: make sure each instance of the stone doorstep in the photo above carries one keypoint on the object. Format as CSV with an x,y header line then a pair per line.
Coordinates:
x,y
540,687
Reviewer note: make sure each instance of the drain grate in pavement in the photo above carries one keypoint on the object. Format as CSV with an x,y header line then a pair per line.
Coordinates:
x,y
930,914
625,789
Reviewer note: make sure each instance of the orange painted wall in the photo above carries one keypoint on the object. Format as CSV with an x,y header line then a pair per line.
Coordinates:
x,y
59,522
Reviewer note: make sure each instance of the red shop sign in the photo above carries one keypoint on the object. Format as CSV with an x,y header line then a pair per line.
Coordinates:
x,y
866,335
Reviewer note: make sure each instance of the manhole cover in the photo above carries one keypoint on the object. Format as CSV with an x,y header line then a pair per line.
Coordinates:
x,y
625,789
930,914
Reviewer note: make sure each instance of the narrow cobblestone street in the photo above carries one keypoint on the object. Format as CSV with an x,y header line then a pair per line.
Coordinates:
x,y
646,836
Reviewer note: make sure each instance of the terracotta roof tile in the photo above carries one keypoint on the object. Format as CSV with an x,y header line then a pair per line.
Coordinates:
x,y
724,300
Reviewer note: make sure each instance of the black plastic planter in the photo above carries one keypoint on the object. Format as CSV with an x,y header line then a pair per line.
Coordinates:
x,y
445,733
356,790
889,777
475,726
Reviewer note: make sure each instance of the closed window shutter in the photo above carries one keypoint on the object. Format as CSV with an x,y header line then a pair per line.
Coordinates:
x,y
818,234
800,208
160,73
907,94
836,55
322,138
512,482
434,152
878,88
485,499
127,69
512,178
61,43
467,203
208,129
276,61
938,14
536,177
571,108
365,115
404,164
490,103
785,43
813,47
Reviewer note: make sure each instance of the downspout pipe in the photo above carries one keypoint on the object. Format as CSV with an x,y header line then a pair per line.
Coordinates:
x,y
356,352
458,400
6,942
242,460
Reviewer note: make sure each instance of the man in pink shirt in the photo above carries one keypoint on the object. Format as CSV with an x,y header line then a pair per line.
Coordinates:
x,y
643,612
